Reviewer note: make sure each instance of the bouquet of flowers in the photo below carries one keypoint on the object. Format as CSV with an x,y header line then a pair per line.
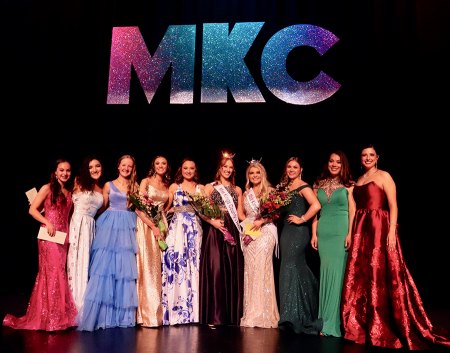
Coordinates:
x,y
275,202
204,206
152,210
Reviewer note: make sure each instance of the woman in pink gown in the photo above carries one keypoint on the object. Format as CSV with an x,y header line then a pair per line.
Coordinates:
x,y
51,306
381,305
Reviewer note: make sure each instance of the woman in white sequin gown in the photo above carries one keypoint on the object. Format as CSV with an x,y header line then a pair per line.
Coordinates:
x,y
260,303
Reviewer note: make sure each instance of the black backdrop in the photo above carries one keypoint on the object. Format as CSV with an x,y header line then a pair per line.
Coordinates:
x,y
392,61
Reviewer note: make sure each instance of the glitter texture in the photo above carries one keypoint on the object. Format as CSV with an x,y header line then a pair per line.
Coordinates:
x,y
176,51
223,63
273,65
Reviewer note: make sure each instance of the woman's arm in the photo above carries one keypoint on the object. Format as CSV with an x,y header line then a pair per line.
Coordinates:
x,y
37,205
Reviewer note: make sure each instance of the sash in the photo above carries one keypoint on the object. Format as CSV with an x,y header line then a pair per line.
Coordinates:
x,y
254,203
229,204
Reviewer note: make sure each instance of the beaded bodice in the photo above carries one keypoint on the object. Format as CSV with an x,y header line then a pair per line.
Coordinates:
x,y
329,186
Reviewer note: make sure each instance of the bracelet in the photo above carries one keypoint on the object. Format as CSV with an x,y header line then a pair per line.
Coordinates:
x,y
303,218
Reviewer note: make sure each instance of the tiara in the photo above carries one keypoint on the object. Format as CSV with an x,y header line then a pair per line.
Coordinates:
x,y
229,155
253,161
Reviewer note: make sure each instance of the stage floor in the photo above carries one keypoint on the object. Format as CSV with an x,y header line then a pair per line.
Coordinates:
x,y
180,339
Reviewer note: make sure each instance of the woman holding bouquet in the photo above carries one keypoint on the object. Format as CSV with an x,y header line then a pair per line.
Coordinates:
x,y
260,302
51,306
221,261
149,285
181,260
110,297
298,286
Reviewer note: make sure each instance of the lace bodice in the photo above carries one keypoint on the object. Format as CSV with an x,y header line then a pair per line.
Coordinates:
x,y
217,199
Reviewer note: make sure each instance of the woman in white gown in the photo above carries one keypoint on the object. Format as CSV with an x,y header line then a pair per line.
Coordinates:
x,y
260,303
87,201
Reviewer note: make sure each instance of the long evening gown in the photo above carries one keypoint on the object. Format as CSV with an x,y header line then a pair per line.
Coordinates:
x,y
181,264
299,288
381,305
110,296
51,306
149,260
81,234
221,271
332,230
260,301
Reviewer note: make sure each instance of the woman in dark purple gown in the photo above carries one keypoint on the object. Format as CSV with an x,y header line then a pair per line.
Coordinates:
x,y
221,262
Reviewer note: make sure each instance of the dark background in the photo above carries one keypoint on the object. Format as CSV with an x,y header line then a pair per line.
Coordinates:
x,y
392,61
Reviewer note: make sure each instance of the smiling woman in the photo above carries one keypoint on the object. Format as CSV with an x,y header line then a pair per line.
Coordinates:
x,y
381,304
51,306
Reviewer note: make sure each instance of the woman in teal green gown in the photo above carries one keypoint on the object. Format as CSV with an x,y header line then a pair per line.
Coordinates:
x,y
331,236
297,284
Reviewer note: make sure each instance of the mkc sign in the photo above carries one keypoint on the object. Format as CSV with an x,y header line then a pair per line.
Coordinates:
x,y
223,67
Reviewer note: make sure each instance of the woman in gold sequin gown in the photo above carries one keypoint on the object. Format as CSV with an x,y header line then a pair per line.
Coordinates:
x,y
149,257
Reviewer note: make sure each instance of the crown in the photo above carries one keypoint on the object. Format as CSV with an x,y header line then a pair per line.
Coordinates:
x,y
252,161
229,155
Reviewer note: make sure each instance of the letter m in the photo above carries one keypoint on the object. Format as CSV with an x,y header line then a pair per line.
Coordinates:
x,y
176,50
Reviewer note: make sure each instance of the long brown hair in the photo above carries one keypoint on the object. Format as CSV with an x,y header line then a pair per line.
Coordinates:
x,y
345,175
166,177
55,186
221,163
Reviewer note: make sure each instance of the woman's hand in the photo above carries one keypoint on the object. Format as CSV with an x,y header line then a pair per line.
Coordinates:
x,y
348,241
314,241
257,224
51,230
218,224
292,218
391,240
156,232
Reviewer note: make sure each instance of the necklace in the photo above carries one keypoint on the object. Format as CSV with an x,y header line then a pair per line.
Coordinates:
x,y
122,184
365,175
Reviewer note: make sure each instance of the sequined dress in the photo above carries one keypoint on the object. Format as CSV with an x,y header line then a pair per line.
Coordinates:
x,y
332,229
181,264
110,296
81,234
221,271
299,288
51,306
381,305
260,301
149,260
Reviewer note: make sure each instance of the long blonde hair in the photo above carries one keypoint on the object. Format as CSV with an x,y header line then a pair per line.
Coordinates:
x,y
133,186
265,184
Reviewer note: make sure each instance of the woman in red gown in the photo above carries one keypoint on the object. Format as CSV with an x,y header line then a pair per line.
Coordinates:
x,y
381,305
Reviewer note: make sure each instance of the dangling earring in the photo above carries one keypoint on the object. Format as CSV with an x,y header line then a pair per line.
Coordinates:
x,y
376,164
